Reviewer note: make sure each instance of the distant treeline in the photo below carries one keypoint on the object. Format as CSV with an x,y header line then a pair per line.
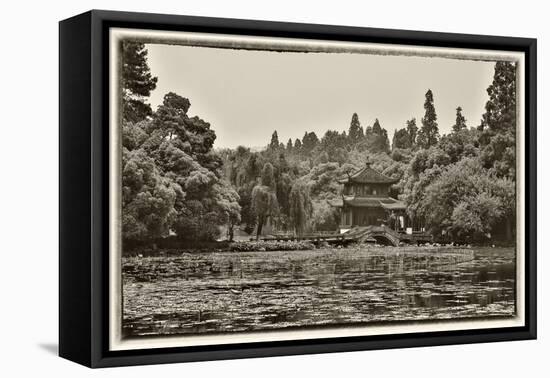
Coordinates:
x,y
462,185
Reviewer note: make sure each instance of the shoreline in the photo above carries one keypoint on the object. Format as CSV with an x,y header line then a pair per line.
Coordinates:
x,y
375,249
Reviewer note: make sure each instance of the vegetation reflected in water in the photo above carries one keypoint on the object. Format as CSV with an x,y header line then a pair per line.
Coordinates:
x,y
229,292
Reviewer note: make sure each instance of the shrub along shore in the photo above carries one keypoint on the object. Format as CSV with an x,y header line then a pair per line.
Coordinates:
x,y
271,246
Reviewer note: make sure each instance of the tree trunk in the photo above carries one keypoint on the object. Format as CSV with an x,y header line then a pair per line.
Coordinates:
x,y
231,232
259,230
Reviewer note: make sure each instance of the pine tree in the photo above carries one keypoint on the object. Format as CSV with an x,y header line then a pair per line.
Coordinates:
x,y
429,132
137,82
460,123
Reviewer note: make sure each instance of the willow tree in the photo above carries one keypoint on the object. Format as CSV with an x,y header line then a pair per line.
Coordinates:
x,y
264,199
300,207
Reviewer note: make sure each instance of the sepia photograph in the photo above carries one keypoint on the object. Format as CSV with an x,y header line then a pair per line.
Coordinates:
x,y
282,189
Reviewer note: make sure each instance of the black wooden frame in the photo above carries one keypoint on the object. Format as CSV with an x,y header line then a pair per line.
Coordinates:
x,y
84,194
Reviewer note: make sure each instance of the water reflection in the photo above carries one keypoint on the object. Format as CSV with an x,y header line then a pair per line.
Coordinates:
x,y
224,292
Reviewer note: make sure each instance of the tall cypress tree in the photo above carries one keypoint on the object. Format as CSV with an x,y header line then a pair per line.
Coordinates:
x,y
355,133
429,132
460,123
499,122
500,109
274,144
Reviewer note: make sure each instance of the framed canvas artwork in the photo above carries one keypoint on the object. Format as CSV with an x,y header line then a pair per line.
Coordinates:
x,y
234,188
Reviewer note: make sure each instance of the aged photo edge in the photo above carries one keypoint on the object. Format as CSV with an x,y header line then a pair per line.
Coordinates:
x,y
116,342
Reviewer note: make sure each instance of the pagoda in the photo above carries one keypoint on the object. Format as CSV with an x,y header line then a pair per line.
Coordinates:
x,y
366,201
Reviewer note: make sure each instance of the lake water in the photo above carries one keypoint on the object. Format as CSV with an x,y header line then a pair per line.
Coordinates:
x,y
231,291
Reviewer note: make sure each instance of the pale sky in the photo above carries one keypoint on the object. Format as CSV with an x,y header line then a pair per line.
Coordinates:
x,y
246,95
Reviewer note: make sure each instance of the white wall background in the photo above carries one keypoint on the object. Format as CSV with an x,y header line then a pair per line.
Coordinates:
x,y
29,188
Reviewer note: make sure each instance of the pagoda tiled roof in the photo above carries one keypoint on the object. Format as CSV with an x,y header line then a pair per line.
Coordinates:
x,y
368,175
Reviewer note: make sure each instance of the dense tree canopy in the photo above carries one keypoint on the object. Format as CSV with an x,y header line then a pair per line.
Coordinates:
x,y
401,139
467,201
309,142
464,185
460,185
148,198
172,180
